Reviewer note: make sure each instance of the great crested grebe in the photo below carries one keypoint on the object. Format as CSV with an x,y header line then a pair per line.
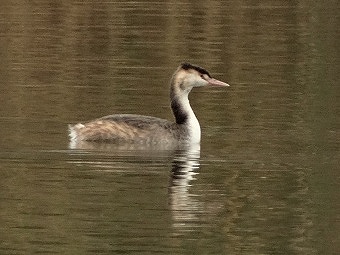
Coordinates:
x,y
150,130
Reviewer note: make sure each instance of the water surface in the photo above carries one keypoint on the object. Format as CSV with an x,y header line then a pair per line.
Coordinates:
x,y
265,178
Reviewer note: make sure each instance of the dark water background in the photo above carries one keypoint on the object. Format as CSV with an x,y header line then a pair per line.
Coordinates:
x,y
266,179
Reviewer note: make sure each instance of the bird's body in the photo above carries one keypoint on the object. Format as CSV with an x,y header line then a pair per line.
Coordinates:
x,y
130,128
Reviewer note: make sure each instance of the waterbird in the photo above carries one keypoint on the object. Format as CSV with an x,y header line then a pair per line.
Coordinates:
x,y
132,128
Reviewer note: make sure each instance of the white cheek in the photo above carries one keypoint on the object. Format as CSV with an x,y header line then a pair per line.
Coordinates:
x,y
196,81
191,79
202,82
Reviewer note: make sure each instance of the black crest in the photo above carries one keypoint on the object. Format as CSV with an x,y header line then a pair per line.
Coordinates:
x,y
187,66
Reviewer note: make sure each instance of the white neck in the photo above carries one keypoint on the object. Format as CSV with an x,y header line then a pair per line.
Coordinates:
x,y
186,116
193,124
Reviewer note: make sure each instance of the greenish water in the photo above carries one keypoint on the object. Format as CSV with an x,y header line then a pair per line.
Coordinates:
x,y
266,177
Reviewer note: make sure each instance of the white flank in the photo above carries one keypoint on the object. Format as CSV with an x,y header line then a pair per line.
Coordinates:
x,y
73,131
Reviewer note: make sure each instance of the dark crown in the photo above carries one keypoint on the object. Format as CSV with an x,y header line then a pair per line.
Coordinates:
x,y
187,66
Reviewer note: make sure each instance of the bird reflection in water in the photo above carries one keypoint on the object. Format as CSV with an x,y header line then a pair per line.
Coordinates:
x,y
185,208
185,165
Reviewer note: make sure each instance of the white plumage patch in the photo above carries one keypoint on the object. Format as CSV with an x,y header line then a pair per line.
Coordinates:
x,y
73,131
192,122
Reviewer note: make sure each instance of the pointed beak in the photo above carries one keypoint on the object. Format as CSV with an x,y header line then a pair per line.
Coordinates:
x,y
214,82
